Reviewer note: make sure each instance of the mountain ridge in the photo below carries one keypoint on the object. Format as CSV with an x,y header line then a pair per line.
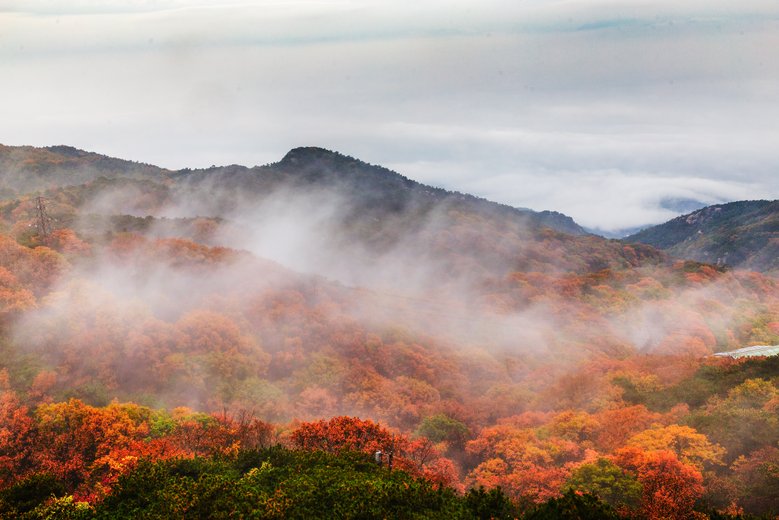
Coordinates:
x,y
742,234
316,166
25,169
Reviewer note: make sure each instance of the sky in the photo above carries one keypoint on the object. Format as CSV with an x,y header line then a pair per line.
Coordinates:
x,y
615,112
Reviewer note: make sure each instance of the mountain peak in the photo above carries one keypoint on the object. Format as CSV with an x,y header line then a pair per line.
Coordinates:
x,y
313,154
68,151
311,164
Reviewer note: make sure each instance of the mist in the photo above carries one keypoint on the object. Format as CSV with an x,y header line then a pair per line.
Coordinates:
x,y
291,282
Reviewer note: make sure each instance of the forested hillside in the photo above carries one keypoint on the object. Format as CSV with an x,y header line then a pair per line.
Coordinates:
x,y
741,234
208,331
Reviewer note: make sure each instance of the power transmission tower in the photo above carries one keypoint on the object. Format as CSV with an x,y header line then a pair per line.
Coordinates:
x,y
43,220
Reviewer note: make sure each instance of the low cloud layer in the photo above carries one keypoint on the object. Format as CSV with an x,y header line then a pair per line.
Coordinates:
x,y
601,110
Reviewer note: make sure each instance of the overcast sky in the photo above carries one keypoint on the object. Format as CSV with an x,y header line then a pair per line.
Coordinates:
x,y
603,110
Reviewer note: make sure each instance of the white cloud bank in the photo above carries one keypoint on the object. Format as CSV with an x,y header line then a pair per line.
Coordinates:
x,y
599,109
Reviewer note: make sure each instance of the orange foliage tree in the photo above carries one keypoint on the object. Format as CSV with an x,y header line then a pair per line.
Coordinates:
x,y
16,436
528,463
670,487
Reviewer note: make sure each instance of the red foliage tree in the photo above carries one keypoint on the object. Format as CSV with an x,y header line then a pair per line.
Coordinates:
x,y
343,434
16,436
670,488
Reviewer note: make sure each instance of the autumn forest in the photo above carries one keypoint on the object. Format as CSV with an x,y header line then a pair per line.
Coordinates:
x,y
241,342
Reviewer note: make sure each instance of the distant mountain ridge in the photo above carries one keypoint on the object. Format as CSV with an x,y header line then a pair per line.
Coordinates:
x,y
674,204
742,234
25,169
377,189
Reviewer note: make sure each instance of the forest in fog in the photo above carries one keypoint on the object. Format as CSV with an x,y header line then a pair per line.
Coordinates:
x,y
324,307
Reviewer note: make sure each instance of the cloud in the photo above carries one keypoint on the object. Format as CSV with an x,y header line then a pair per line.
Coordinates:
x,y
498,99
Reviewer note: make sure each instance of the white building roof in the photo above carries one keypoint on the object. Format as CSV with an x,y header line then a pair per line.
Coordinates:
x,y
757,350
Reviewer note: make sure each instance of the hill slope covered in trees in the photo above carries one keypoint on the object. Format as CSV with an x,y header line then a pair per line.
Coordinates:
x,y
177,315
741,234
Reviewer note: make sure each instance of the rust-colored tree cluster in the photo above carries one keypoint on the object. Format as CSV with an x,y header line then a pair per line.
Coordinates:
x,y
576,378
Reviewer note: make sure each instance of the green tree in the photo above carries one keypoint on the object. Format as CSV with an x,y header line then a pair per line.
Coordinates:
x,y
572,506
441,427
607,481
